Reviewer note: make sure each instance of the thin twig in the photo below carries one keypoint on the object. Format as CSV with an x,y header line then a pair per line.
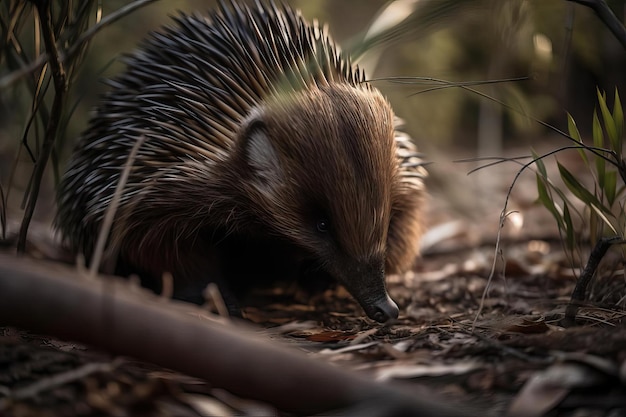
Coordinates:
x,y
503,215
60,88
499,160
607,17
430,81
508,350
62,378
85,37
534,119
112,208
467,86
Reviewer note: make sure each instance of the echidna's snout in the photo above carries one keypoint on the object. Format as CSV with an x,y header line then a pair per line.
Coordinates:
x,y
366,283
382,310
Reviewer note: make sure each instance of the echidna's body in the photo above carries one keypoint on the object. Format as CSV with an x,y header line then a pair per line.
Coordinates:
x,y
264,149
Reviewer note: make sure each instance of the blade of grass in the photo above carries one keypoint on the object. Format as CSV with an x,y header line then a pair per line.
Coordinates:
x,y
604,218
610,187
578,189
618,117
547,201
609,123
570,238
575,134
598,141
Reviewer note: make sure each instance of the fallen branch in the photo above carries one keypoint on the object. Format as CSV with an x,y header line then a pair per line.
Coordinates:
x,y
115,316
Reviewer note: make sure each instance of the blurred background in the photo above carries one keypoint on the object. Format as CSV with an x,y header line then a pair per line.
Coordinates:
x,y
553,52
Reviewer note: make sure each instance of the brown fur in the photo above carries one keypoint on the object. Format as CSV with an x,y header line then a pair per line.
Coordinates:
x,y
232,189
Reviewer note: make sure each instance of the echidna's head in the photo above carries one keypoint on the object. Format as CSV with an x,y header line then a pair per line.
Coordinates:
x,y
320,169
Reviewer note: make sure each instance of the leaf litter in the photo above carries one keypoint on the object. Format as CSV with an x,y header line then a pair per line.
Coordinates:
x,y
515,359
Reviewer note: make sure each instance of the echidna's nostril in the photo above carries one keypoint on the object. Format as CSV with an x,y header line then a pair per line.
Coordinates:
x,y
385,310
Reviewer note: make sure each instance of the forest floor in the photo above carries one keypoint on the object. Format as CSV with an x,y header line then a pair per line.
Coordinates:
x,y
477,331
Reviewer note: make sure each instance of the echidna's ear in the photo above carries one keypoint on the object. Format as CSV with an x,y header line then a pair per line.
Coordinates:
x,y
261,155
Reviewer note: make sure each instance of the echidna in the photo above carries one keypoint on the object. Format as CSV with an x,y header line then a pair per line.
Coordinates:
x,y
265,150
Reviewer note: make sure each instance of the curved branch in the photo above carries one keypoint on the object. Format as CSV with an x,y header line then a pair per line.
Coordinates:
x,y
578,295
607,17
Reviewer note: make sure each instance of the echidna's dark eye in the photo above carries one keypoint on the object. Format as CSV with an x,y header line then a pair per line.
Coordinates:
x,y
323,226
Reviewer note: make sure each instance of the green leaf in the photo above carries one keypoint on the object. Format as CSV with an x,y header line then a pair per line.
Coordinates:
x,y
546,199
575,134
598,134
598,142
577,188
539,163
618,117
609,123
572,128
610,186
570,239
604,218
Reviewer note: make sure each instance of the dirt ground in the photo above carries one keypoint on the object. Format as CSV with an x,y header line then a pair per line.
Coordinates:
x,y
480,332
